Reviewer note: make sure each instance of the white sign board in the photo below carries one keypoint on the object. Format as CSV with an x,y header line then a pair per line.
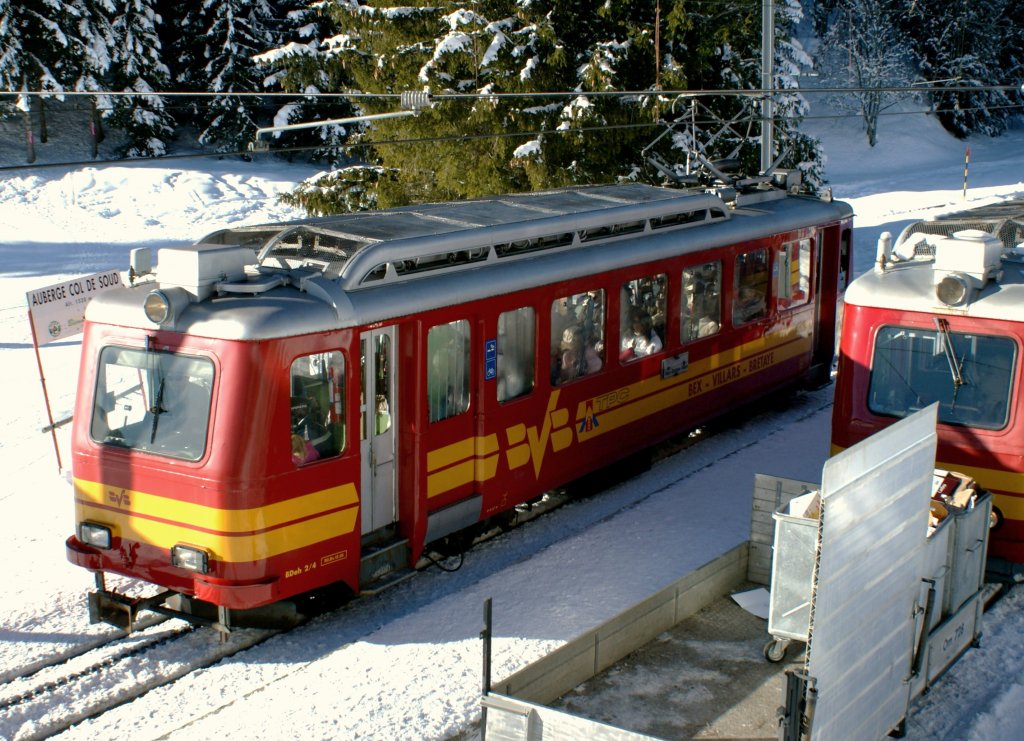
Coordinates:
x,y
58,311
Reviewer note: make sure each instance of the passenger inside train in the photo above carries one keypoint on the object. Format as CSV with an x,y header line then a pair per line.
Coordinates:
x,y
579,357
640,339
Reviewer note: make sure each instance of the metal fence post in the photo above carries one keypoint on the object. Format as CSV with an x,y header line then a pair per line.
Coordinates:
x,y
485,634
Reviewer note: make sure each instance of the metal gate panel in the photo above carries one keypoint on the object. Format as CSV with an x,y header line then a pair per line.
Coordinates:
x,y
873,530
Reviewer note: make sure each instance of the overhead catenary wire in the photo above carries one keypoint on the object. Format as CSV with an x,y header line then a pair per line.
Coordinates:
x,y
475,137
923,86
312,98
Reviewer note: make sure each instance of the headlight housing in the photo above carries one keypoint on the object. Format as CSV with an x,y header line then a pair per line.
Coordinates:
x,y
98,536
163,306
954,289
190,558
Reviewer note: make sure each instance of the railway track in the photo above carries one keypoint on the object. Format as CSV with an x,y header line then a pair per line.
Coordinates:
x,y
61,657
53,697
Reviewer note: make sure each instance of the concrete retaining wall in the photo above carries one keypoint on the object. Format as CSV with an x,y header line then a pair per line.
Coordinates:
x,y
771,493
583,658
510,719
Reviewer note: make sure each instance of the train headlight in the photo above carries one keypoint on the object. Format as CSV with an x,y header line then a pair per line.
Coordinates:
x,y
190,558
157,307
163,306
98,536
953,290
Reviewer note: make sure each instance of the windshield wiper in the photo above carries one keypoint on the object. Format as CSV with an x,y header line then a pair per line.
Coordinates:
x,y
942,326
156,410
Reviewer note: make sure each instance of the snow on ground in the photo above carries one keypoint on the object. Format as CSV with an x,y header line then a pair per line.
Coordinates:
x,y
407,663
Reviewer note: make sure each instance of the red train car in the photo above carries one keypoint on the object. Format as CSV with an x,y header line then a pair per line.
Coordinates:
x,y
939,319
284,407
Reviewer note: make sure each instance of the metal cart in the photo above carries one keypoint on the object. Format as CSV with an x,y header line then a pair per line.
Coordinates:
x,y
789,613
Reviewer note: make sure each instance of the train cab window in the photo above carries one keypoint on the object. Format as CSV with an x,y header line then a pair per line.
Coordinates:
x,y
793,265
448,370
750,287
516,352
642,317
156,402
701,307
317,406
577,336
969,375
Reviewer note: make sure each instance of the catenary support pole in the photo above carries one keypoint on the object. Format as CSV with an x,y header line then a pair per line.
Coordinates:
x,y
767,83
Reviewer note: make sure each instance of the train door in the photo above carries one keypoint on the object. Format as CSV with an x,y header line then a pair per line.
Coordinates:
x,y
834,269
379,421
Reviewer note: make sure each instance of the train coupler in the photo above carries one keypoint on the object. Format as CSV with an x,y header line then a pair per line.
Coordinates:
x,y
122,611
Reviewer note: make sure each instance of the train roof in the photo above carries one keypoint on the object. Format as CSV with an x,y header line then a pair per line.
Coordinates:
x,y
1003,219
981,257
369,248
352,269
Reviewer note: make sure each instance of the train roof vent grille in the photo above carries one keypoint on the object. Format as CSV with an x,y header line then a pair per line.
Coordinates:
x,y
402,269
1005,221
440,261
309,244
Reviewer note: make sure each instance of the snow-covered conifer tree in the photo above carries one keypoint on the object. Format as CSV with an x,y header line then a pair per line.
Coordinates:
x,y
583,78
137,67
232,33
38,56
295,63
961,45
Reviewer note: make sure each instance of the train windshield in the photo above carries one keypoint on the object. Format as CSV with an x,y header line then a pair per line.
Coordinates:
x,y
156,402
969,375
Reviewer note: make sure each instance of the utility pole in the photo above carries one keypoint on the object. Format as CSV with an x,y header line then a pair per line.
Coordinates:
x,y
767,83
657,45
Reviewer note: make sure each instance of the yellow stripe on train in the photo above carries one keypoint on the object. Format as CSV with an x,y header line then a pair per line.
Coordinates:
x,y
222,546
233,536
475,459
472,459
648,397
201,516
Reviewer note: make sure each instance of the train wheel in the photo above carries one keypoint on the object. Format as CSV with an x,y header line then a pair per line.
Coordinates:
x,y
775,650
995,519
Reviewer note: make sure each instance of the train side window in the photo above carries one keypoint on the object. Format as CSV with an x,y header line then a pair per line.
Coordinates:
x,y
382,383
317,406
750,287
577,336
448,370
516,352
642,317
794,274
701,309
